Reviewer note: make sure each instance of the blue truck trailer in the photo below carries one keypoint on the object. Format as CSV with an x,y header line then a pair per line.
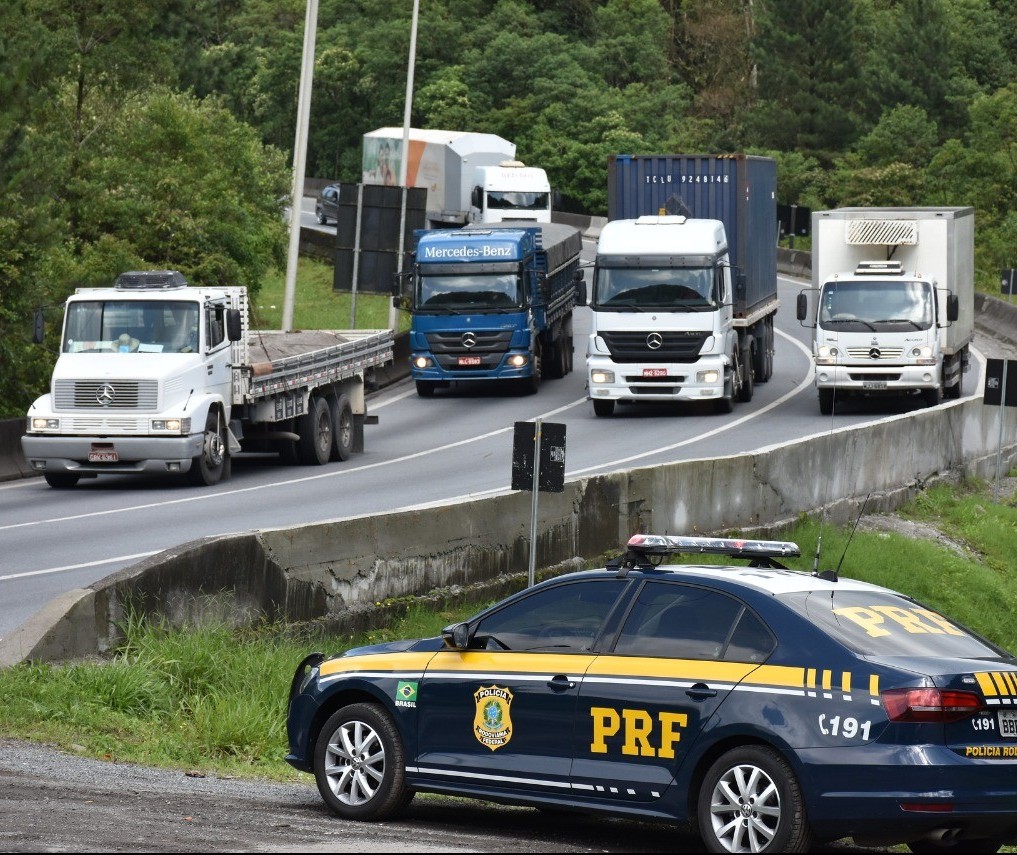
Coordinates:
x,y
491,302
684,288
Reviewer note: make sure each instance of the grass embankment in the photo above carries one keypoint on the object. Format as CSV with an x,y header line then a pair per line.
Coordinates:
x,y
316,306
214,699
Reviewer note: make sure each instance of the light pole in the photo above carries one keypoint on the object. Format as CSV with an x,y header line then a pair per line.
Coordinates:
x,y
393,313
300,160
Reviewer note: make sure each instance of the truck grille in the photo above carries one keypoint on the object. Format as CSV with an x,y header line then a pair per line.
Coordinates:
x,y
496,341
101,426
106,395
885,353
635,346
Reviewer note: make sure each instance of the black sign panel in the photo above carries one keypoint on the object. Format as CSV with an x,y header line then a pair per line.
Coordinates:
x,y
994,389
552,457
794,220
1009,283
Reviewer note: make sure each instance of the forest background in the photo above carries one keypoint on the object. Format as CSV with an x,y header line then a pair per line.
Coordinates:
x,y
159,133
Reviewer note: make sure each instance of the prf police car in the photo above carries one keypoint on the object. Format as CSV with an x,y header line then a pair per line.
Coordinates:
x,y
773,708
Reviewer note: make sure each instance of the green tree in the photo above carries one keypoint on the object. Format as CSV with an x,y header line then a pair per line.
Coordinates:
x,y
904,134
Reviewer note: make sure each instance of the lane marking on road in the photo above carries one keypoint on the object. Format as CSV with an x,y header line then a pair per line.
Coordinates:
x,y
81,566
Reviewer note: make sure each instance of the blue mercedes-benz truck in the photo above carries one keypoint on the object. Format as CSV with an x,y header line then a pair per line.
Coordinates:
x,y
491,302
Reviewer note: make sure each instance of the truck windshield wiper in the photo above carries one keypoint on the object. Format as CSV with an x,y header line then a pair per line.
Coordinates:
x,y
833,321
915,324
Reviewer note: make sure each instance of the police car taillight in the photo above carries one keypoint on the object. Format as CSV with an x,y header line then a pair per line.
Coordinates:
x,y
935,705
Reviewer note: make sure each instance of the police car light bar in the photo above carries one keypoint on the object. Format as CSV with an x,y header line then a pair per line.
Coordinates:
x,y
662,544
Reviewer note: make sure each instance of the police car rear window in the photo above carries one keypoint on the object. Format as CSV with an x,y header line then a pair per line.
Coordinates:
x,y
875,623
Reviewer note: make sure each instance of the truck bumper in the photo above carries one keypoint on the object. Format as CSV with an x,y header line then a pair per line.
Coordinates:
x,y
696,381
895,379
135,454
501,370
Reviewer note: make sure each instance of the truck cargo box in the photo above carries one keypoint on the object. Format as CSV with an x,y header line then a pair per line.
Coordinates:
x,y
739,190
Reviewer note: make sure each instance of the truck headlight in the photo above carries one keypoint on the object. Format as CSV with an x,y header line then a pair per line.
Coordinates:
x,y
422,362
711,375
43,424
827,355
599,375
518,360
175,426
923,355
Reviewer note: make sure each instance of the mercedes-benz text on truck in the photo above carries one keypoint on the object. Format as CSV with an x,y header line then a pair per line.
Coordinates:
x,y
891,303
684,285
155,376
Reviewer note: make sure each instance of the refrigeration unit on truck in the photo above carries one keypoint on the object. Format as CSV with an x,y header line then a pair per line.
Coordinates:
x,y
491,302
470,177
155,376
891,303
684,288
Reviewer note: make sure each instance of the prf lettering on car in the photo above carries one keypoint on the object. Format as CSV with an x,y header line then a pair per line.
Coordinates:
x,y
639,729
873,619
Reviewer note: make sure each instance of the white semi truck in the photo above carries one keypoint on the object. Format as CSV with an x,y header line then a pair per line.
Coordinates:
x,y
470,177
891,303
155,376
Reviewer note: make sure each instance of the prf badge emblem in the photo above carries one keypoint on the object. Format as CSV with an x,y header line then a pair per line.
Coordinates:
x,y
492,724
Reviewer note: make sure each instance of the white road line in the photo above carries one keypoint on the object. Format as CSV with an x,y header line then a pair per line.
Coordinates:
x,y
67,567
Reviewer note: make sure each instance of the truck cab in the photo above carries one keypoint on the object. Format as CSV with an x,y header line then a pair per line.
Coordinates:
x,y
512,192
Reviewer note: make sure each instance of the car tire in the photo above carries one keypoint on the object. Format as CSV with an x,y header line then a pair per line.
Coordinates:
x,y
360,764
750,801
322,219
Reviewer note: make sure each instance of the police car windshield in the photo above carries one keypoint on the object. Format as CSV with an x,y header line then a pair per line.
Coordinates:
x,y
884,624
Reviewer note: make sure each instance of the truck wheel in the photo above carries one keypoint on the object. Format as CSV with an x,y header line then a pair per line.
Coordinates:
x,y
762,357
531,384
342,427
826,402
746,388
314,448
425,389
750,801
954,392
208,467
61,480
933,397
602,407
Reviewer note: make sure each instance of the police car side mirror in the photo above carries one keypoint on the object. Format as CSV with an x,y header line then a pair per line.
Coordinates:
x,y
457,636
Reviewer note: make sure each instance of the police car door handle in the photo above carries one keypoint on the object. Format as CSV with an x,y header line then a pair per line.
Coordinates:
x,y
561,683
701,691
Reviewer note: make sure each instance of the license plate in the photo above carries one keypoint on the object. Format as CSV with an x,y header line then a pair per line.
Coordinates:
x,y
103,455
469,360
655,372
1008,723
873,384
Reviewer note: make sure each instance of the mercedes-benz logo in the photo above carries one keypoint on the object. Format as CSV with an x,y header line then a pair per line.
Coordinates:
x,y
105,395
874,353
654,341
469,340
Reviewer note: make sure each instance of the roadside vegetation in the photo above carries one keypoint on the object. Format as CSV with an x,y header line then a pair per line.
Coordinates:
x,y
213,699
317,306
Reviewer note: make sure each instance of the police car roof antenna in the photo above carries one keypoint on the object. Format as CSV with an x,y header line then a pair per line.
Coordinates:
x,y
861,510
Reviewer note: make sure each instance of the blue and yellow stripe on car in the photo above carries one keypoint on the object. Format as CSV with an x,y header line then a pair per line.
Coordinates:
x,y
999,687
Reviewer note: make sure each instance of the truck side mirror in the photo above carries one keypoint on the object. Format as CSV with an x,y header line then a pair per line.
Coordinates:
x,y
802,306
234,327
952,307
580,284
39,327
739,285
477,197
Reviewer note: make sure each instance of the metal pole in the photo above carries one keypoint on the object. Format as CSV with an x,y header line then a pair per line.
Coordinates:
x,y
393,312
299,161
1002,418
356,258
533,504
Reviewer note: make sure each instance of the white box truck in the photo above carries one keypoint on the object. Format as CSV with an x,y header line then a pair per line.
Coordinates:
x,y
892,302
155,376
469,177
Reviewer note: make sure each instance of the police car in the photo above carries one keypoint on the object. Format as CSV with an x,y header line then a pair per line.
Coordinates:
x,y
771,708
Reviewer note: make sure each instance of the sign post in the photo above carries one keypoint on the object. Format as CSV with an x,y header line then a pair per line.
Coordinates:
x,y
1009,282
538,463
1000,391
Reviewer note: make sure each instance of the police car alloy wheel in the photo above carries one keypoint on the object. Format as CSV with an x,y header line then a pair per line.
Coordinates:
x,y
359,764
